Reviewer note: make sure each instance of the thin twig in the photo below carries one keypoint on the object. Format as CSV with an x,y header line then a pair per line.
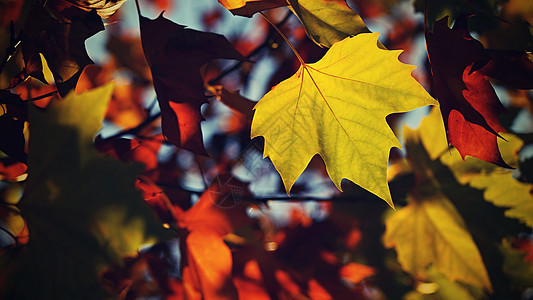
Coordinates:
x,y
285,38
264,199
43,96
250,55
135,129
198,163
138,8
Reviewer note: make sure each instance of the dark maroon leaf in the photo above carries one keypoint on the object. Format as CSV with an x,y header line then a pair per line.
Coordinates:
x,y
12,137
60,36
175,55
460,69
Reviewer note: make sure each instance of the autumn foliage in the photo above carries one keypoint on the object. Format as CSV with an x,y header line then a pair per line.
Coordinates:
x,y
258,149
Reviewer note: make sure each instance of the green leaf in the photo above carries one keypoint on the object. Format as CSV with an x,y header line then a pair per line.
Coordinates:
x,y
501,189
328,22
82,209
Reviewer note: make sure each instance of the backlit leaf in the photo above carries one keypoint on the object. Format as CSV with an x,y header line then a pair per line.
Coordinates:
x,y
501,189
336,108
328,22
430,230
247,8
60,36
175,55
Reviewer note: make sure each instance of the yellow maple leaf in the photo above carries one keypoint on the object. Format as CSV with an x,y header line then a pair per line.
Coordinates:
x,y
336,108
430,230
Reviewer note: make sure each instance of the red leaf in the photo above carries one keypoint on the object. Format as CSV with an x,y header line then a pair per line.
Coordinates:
x,y
469,105
175,55
468,137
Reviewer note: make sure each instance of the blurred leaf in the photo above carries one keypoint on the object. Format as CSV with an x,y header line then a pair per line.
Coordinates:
x,y
501,189
431,231
514,265
104,8
433,134
448,290
82,210
437,10
328,22
208,266
248,8
498,184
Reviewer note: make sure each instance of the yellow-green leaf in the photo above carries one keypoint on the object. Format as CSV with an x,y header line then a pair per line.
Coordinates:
x,y
433,135
82,210
502,190
471,167
431,231
328,22
336,108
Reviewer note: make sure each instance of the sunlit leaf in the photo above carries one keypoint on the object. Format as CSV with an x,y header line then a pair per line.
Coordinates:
x,y
336,108
431,231
501,189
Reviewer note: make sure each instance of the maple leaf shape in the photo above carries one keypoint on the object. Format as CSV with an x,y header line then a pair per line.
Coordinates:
x,y
175,55
82,209
60,36
336,108
248,8
460,67
430,230
327,22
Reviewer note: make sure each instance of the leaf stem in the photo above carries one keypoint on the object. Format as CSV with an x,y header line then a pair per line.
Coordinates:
x,y
199,164
135,129
285,38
